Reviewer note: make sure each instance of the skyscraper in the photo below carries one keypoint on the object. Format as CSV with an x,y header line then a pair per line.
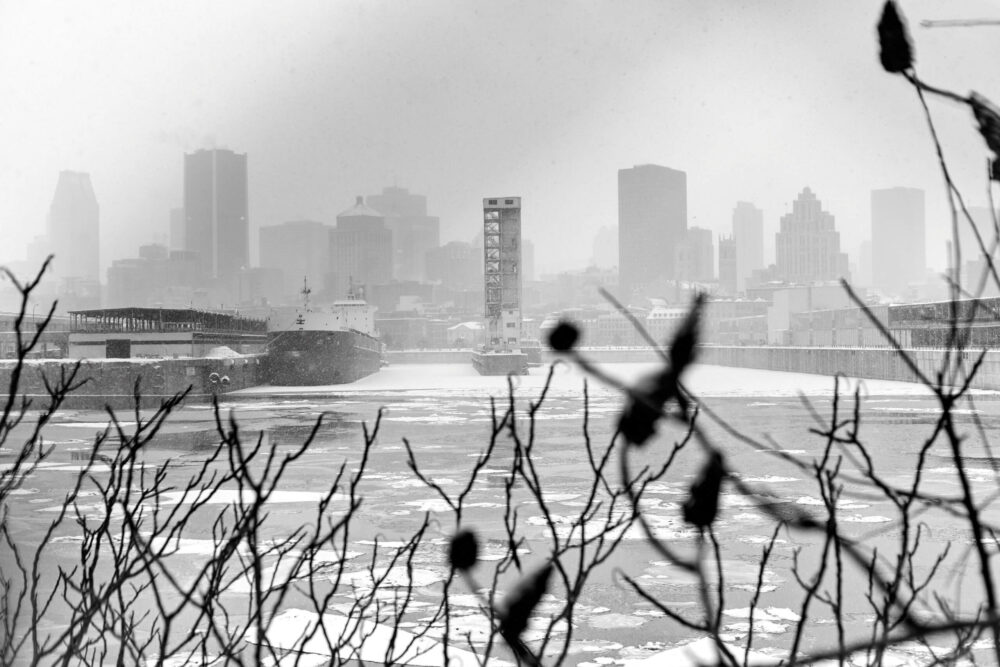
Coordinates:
x,y
216,217
301,251
74,228
748,234
808,243
727,265
898,238
360,249
652,221
695,256
177,228
413,231
605,247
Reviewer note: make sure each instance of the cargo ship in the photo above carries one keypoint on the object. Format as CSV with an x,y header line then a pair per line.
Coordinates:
x,y
333,344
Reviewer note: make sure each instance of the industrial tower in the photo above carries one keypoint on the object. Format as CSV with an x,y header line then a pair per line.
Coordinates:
x,y
501,352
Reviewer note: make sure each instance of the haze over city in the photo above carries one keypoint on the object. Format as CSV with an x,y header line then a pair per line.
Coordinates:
x,y
457,101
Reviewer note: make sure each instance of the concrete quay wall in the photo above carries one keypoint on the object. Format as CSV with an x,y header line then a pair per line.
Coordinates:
x,y
111,381
428,356
867,363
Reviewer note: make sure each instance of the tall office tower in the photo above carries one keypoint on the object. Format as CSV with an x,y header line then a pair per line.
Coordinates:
x,y
177,226
728,263
413,231
701,256
216,211
898,238
502,255
74,228
458,265
360,250
605,247
808,243
652,221
301,251
748,233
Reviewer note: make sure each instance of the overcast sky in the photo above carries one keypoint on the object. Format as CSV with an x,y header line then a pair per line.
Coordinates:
x,y
459,100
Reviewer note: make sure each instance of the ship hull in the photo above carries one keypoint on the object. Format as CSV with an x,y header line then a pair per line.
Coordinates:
x,y
298,358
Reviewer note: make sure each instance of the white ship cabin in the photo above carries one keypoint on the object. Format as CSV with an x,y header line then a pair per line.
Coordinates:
x,y
350,314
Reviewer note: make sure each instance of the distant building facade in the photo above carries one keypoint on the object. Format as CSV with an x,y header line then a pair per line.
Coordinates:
x,y
899,254
728,264
177,228
216,212
74,229
413,231
360,249
652,221
300,249
605,248
748,234
808,243
456,265
695,256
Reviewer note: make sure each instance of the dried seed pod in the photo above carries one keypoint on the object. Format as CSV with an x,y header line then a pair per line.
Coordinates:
x,y
682,347
988,117
702,505
463,552
564,336
644,408
896,53
522,603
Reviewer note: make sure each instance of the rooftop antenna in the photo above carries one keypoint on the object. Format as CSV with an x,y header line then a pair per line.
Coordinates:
x,y
305,292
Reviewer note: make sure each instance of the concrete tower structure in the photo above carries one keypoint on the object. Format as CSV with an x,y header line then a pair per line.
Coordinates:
x,y
899,254
502,269
748,234
503,281
652,221
216,212
808,243
74,228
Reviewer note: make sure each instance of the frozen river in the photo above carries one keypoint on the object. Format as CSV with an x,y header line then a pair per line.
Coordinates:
x,y
443,410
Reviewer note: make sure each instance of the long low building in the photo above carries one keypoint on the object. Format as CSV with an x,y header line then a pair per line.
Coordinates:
x,y
122,333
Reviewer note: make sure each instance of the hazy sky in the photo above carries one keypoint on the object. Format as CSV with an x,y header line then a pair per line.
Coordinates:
x,y
459,100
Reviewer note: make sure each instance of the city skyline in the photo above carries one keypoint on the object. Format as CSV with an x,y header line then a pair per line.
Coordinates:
x,y
122,104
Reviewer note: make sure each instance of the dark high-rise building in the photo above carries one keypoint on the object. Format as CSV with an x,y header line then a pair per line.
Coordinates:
x,y
216,217
413,231
748,234
652,221
898,240
360,249
808,244
74,228
301,251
